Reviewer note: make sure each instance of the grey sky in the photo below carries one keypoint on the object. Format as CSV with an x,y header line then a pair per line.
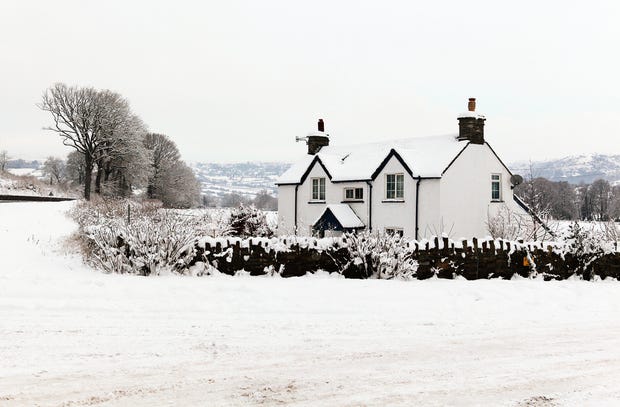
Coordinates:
x,y
238,80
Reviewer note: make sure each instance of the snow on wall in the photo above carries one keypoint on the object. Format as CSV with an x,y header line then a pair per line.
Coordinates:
x,y
436,257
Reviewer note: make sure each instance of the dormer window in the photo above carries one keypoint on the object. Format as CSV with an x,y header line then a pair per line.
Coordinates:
x,y
496,187
318,189
395,186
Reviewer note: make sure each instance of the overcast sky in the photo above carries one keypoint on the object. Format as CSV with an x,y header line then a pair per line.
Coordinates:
x,y
238,80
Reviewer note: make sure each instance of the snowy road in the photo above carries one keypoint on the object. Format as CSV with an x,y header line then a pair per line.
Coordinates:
x,y
70,336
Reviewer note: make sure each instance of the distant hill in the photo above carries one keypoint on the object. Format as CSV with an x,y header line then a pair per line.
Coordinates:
x,y
574,169
246,179
249,178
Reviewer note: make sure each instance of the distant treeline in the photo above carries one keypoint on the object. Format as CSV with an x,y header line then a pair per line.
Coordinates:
x,y
598,200
262,200
20,163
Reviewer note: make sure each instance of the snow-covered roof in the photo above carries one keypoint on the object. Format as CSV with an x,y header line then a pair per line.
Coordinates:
x,y
345,215
425,157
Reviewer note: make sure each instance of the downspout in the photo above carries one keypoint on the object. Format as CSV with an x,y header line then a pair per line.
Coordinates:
x,y
296,186
417,204
369,206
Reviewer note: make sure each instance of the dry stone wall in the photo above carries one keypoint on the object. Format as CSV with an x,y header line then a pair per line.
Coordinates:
x,y
442,258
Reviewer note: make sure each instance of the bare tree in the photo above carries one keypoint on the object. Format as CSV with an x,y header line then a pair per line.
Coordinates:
x,y
179,187
74,168
164,156
4,159
265,201
78,115
127,162
600,193
233,200
54,168
614,206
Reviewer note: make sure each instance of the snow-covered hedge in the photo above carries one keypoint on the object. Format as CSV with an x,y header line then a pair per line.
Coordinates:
x,y
141,238
123,236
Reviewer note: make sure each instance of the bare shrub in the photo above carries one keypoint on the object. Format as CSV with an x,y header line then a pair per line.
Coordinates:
x,y
124,236
381,255
510,225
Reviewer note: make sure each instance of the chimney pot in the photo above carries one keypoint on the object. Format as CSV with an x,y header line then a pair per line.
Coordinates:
x,y
321,125
471,106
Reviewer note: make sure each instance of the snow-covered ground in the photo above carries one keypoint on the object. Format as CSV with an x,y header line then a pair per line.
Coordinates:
x,y
34,172
71,336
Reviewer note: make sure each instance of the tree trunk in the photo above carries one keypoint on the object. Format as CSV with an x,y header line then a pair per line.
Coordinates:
x,y
98,177
88,176
150,191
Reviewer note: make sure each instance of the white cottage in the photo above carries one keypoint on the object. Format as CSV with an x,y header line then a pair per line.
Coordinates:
x,y
417,187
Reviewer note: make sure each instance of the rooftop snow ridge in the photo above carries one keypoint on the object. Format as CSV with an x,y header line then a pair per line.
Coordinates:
x,y
425,157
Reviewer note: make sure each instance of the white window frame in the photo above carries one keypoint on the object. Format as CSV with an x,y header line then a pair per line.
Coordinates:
x,y
396,197
317,196
353,191
496,181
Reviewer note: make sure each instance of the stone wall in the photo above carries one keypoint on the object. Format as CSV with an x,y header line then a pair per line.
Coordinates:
x,y
442,258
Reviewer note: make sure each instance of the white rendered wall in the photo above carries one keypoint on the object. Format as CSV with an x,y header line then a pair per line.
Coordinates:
x,y
458,204
430,223
466,192
308,211
286,210
392,213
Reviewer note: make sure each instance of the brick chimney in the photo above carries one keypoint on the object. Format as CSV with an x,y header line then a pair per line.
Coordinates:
x,y
471,124
318,139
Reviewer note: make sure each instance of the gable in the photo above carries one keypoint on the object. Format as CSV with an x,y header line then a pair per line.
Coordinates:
x,y
338,217
464,148
425,157
392,154
315,161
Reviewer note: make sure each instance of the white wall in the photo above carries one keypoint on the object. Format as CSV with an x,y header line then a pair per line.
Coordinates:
x,y
393,214
286,209
430,223
458,204
309,211
466,192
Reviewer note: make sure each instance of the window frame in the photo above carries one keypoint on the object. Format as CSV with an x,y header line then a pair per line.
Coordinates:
x,y
320,182
497,182
354,196
395,183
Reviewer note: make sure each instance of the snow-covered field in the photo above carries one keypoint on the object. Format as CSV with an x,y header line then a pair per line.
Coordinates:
x,y
70,336
34,172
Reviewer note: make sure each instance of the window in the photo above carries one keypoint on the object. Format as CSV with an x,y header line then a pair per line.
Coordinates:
x,y
353,194
394,231
496,190
395,186
318,189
